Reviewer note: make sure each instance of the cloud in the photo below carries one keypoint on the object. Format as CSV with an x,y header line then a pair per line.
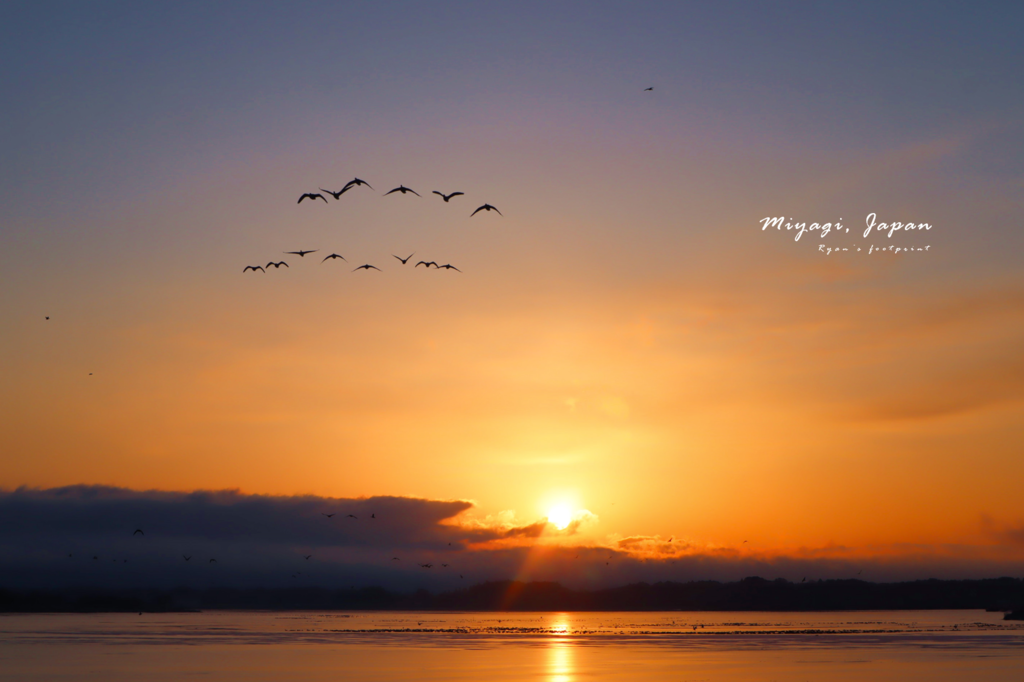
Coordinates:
x,y
48,539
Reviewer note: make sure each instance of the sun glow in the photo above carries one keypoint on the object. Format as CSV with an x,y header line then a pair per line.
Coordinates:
x,y
560,516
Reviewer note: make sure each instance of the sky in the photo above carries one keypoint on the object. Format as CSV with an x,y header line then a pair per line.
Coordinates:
x,y
624,346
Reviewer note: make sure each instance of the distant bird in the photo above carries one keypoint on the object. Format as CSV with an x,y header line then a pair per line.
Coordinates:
x,y
744,541
426,565
405,260
334,256
428,263
254,268
308,557
394,558
366,267
138,531
403,189
485,207
351,516
213,561
69,555
373,516
448,266
90,373
446,197
186,558
356,182
311,195
327,515
860,571
277,265
337,195
95,558
47,317
460,575
444,565
300,253
648,89
803,580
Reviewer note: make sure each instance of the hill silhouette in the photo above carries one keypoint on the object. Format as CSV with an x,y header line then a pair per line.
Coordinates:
x,y
749,594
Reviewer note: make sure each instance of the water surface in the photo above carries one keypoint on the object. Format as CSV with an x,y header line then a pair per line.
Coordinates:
x,y
556,647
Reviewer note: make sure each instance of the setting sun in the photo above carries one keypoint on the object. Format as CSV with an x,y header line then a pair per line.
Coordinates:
x,y
560,516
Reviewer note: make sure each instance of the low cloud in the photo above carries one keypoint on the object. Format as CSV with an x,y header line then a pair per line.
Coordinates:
x,y
85,536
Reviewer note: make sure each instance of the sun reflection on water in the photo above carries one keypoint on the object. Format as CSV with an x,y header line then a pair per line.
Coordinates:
x,y
561,661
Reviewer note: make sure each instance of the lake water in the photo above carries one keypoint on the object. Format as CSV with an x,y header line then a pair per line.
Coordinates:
x,y
553,647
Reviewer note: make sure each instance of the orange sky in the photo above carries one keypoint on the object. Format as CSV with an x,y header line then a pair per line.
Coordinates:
x,y
625,339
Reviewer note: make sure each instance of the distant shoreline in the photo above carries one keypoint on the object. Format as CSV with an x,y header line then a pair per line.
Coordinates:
x,y
749,594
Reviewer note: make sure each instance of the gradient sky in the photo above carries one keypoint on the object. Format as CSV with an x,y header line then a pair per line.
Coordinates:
x,y
625,340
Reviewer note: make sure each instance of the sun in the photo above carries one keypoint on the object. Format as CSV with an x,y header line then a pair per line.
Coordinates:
x,y
560,516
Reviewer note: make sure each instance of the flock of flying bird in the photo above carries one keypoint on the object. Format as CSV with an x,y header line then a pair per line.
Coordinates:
x,y
401,189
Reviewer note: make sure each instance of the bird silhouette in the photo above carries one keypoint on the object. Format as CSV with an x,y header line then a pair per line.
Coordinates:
x,y
460,575
313,196
426,565
403,189
428,263
307,557
95,558
405,260
334,256
485,207
351,516
186,558
47,317
138,531
373,516
648,89
446,197
327,515
300,253
356,182
803,580
394,558
337,195
254,268
277,265
444,565
365,267
448,266
213,561
69,555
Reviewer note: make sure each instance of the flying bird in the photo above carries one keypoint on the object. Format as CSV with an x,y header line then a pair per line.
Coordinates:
x,y
428,263
47,317
648,89
327,515
213,561
186,558
300,253
254,268
337,195
365,267
311,195
405,260
448,266
446,197
351,516
485,207
308,557
444,565
138,531
403,189
357,182
373,516
333,256
460,575
394,558
277,265
95,558
426,565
